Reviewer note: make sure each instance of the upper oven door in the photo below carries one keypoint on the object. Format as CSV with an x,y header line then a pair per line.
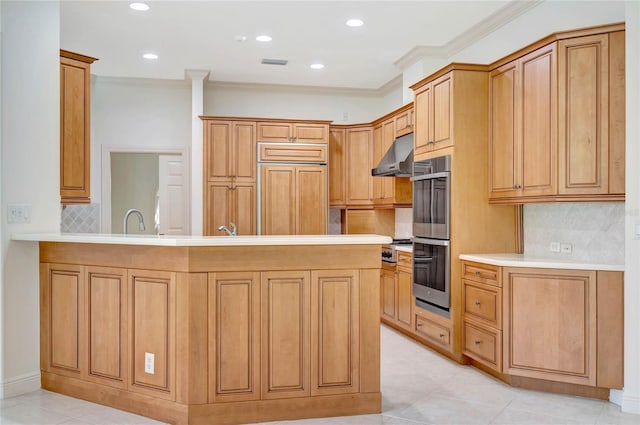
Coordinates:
x,y
431,205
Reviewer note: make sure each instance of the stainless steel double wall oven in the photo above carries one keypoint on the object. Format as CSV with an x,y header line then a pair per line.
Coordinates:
x,y
431,212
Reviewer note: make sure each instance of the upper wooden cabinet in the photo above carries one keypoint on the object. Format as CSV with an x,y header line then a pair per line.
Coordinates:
x,y
337,167
557,122
433,103
230,150
75,127
299,132
359,160
404,122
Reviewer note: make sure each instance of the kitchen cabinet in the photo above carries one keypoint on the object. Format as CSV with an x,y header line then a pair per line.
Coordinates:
x,y
433,328
404,122
75,127
229,176
482,314
433,103
293,200
298,132
228,202
337,167
388,191
359,164
397,302
557,122
234,336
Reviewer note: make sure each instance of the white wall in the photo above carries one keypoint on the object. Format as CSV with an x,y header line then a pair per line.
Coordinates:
x,y
137,113
631,395
294,102
30,157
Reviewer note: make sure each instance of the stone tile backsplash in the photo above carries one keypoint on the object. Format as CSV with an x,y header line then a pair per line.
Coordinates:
x,y
80,218
595,230
335,222
404,223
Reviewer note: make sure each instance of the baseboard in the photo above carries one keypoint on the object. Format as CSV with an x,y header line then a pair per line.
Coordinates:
x,y
630,404
20,385
615,397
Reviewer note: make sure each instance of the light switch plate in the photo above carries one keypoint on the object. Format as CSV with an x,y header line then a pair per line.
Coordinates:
x,y
149,363
554,247
18,213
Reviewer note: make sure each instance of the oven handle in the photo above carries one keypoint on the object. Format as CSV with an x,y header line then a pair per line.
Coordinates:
x,y
426,241
430,176
423,260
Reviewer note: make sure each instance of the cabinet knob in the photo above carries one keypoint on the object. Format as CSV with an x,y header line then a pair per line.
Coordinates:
x,y
441,335
478,303
477,342
419,325
477,272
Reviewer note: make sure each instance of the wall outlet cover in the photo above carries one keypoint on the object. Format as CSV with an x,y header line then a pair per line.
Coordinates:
x,y
566,248
149,363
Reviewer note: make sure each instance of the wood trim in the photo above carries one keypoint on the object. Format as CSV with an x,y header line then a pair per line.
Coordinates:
x,y
273,120
559,387
288,152
455,66
610,318
77,56
556,37
391,114
557,198
369,310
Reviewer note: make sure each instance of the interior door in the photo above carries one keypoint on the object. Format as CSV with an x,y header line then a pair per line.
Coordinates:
x,y
172,209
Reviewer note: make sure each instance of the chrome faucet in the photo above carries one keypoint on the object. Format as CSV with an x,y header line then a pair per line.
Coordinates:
x,y
126,217
232,232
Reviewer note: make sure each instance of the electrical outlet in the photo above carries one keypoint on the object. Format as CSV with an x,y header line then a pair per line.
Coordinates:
x,y
18,214
566,248
554,247
149,363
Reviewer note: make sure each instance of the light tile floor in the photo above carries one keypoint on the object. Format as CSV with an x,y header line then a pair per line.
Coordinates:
x,y
418,387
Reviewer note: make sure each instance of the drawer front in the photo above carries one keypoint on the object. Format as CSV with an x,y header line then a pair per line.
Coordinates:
x,y
483,273
433,331
405,259
483,302
287,152
483,345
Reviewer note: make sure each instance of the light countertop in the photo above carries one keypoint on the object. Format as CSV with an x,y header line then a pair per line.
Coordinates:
x,y
156,240
521,260
404,248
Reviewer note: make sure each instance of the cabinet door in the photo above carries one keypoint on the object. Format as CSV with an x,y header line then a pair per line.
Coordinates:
x,y
275,132
388,183
550,324
442,116
107,334
286,339
243,201
378,153
583,115
405,299
537,122
404,122
234,336
617,112
152,333
423,101
388,295
335,337
503,148
217,208
337,172
359,158
75,131
218,149
310,133
278,207
311,200
243,161
62,319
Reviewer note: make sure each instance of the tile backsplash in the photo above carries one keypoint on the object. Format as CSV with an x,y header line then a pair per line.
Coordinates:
x,y
595,230
83,218
404,223
335,222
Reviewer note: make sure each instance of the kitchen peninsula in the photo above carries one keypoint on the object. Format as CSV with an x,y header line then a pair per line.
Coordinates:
x,y
194,330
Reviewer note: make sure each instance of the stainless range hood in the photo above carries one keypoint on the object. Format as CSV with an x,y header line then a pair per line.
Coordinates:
x,y
398,161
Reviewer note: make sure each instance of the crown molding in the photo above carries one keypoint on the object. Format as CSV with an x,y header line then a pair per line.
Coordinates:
x,y
142,82
196,74
419,53
297,88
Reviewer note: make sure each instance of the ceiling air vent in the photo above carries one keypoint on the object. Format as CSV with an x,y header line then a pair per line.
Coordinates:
x,y
274,61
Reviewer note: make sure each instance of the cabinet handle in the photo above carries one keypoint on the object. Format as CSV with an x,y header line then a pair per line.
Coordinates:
x,y
478,303
477,273
441,335
419,325
477,342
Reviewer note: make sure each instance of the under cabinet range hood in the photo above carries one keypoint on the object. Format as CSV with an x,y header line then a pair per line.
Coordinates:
x,y
398,161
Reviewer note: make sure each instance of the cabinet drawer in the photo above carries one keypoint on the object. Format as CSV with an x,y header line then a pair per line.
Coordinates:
x,y
483,345
484,273
405,259
287,152
483,302
433,331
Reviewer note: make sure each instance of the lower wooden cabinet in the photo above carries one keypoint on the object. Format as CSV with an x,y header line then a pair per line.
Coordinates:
x,y
388,294
433,328
396,300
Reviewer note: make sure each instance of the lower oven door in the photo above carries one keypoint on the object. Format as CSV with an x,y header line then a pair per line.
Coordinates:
x,y
431,271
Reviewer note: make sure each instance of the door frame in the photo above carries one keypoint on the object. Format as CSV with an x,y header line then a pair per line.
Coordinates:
x,y
105,183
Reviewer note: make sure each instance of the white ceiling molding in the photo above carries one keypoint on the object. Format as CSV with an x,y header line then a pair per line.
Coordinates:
x,y
196,74
468,37
300,89
488,25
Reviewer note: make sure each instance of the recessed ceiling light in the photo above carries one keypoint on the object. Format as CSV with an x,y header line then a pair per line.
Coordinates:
x,y
141,7
355,23
316,66
150,56
263,38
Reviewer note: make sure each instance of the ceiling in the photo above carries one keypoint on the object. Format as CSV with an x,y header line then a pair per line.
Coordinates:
x,y
202,35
